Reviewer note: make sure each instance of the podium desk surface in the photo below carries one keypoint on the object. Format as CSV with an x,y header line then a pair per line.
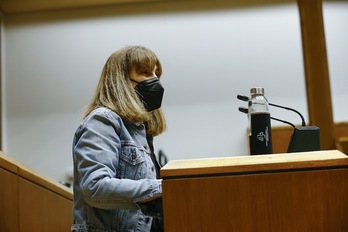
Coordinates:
x,y
254,164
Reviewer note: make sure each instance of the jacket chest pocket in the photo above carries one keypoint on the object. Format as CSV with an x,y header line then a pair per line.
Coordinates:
x,y
132,163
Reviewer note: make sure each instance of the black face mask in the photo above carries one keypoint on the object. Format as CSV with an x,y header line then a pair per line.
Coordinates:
x,y
150,92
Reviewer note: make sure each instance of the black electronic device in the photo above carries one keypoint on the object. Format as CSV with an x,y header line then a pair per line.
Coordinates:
x,y
305,138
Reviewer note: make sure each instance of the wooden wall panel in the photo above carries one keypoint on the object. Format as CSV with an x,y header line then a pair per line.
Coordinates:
x,y
8,201
301,201
281,138
42,210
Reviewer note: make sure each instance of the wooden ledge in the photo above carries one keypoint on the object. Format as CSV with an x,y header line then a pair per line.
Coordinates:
x,y
12,165
259,163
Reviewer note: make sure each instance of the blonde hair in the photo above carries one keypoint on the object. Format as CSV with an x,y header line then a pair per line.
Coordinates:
x,y
116,92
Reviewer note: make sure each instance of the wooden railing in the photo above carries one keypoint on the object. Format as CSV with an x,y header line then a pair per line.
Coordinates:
x,y
31,202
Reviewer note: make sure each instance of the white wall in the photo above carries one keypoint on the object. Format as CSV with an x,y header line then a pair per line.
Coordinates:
x,y
52,62
336,30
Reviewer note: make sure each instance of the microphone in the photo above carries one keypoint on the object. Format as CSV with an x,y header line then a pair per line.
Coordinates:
x,y
246,98
243,97
245,111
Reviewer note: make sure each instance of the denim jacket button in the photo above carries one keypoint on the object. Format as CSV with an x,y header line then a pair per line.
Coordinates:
x,y
133,155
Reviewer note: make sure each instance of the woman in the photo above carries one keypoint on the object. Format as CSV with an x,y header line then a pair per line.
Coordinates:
x,y
115,173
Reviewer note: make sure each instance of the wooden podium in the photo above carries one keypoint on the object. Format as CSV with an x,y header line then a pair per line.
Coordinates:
x,y
282,193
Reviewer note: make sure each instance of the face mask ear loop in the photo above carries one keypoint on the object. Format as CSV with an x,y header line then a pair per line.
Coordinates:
x,y
134,81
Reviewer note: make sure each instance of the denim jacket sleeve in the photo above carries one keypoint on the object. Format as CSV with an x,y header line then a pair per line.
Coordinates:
x,y
96,152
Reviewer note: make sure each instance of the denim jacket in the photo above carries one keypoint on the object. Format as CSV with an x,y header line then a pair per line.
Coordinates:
x,y
113,171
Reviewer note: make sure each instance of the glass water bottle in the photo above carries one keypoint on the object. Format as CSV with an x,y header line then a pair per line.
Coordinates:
x,y
260,137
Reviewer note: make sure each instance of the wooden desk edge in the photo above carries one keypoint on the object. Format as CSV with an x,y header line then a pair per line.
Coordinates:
x,y
10,164
238,164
